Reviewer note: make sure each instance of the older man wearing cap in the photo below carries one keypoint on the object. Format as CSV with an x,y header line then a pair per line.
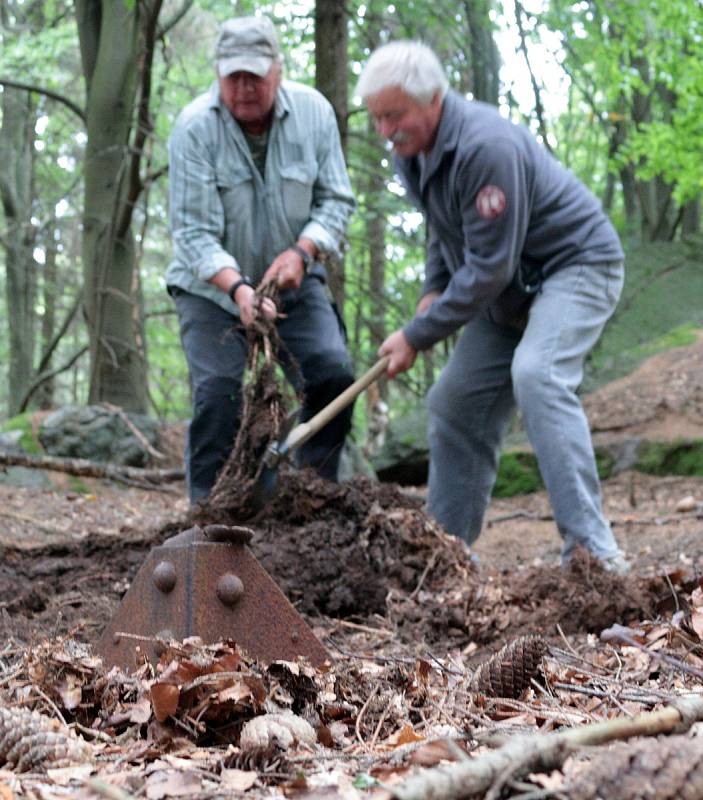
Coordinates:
x,y
258,193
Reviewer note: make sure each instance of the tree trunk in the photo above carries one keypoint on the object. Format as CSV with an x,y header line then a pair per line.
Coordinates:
x,y
483,52
44,397
331,40
691,221
16,189
110,50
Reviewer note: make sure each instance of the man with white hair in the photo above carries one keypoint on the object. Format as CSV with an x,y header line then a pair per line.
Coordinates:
x,y
258,193
521,258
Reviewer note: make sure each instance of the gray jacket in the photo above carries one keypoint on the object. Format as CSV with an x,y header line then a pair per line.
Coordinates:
x,y
502,216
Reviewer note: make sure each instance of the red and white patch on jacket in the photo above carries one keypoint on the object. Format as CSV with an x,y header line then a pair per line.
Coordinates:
x,y
490,202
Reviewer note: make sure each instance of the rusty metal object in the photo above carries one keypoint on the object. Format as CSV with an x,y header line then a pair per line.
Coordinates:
x,y
207,583
165,576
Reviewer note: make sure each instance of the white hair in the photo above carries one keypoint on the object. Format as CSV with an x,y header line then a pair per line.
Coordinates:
x,y
411,66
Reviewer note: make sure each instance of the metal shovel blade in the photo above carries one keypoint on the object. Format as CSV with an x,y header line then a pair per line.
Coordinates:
x,y
265,486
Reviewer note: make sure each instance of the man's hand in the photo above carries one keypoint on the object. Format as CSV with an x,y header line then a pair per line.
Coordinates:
x,y
251,305
288,269
401,354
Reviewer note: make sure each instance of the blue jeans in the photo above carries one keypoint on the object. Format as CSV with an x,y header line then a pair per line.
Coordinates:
x,y
313,355
494,368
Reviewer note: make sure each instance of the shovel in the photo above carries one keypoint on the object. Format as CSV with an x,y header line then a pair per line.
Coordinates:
x,y
265,485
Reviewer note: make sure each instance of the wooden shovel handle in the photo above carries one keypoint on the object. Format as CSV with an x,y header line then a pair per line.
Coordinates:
x,y
305,430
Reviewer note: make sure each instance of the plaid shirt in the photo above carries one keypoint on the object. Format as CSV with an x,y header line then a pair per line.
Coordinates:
x,y
223,213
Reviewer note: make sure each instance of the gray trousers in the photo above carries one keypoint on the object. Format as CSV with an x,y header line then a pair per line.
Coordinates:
x,y
313,355
495,367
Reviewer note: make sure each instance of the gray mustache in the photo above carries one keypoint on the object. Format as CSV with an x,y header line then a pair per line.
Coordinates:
x,y
398,138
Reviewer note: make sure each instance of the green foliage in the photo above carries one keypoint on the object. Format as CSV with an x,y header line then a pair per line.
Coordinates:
x,y
637,69
78,486
666,458
365,782
518,473
28,441
618,55
657,310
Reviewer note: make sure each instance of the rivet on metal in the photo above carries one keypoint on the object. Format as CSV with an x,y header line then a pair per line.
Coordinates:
x,y
164,576
116,638
229,589
294,637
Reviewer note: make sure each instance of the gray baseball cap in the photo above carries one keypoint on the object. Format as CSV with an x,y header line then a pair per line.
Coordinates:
x,y
246,44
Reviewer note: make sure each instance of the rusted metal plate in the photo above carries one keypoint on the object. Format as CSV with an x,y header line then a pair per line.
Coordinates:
x,y
200,585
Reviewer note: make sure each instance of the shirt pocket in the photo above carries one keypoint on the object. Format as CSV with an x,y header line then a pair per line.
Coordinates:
x,y
236,190
297,181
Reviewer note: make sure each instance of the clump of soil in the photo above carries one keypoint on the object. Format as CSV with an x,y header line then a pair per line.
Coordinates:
x,y
69,587
351,550
340,549
263,412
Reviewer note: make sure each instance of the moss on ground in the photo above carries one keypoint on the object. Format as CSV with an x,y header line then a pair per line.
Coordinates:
x,y
657,310
518,473
28,441
684,457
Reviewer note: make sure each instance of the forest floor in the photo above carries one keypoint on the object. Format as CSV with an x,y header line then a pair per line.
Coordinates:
x,y
407,614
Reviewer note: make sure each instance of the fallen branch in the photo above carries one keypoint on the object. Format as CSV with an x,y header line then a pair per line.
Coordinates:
x,y
146,478
531,753
134,430
618,633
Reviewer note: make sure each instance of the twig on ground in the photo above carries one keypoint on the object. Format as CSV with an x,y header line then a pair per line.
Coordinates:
x,y
150,478
622,634
357,724
52,705
138,435
425,572
527,752
108,790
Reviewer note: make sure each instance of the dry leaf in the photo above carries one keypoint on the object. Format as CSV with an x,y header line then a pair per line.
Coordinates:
x,y
697,621
164,698
240,691
172,783
406,735
687,503
433,753
553,781
70,691
62,776
239,780
140,712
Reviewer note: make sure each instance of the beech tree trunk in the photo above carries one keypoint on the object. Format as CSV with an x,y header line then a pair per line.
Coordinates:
x,y
16,191
331,39
109,33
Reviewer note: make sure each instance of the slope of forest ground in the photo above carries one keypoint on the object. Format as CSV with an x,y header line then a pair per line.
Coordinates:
x,y
407,615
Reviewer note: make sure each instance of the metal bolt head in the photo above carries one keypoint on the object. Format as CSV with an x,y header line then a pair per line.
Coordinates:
x,y
164,576
295,637
229,589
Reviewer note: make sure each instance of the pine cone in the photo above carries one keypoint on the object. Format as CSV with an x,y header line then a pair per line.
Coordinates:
x,y
30,741
509,672
657,769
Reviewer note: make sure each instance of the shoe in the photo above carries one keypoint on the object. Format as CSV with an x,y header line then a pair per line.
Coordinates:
x,y
616,564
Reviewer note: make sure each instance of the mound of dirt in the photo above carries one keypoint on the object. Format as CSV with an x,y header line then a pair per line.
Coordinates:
x,y
356,550
662,399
